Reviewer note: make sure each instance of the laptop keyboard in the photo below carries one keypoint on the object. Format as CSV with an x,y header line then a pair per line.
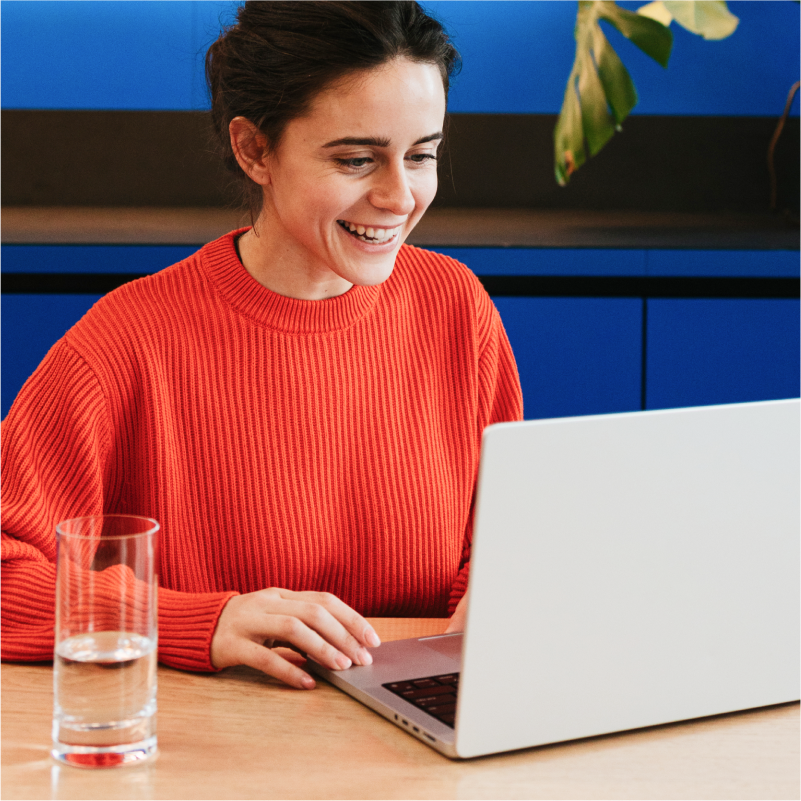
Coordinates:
x,y
435,695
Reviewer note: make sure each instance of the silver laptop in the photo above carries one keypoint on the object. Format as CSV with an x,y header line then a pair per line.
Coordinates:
x,y
628,570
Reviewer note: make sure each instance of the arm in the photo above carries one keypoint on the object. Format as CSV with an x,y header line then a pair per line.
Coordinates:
x,y
500,400
58,462
54,446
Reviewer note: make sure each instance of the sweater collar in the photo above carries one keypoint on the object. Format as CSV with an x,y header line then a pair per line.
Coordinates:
x,y
270,309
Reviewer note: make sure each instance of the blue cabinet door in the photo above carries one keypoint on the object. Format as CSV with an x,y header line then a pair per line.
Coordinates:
x,y
31,324
721,351
576,355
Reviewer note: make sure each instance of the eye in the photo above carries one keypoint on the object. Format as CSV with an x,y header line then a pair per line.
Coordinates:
x,y
355,163
421,158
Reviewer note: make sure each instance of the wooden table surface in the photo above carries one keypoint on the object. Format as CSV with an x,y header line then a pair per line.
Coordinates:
x,y
238,734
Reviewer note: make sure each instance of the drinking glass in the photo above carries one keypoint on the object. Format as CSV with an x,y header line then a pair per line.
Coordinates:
x,y
104,711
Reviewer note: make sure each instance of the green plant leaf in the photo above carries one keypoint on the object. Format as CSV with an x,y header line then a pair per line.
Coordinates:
x,y
653,38
600,93
595,117
568,136
708,18
657,11
618,86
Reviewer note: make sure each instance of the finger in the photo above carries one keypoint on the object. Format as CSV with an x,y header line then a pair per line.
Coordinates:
x,y
291,656
258,618
318,618
454,626
457,621
273,664
349,618
305,627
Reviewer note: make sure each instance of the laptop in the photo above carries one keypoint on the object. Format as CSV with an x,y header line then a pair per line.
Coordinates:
x,y
628,570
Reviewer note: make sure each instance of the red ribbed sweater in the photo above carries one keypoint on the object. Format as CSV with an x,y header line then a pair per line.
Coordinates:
x,y
313,445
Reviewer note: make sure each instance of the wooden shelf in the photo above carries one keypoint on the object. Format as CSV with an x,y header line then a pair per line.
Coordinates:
x,y
441,227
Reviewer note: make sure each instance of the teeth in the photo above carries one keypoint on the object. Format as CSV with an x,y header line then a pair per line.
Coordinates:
x,y
376,236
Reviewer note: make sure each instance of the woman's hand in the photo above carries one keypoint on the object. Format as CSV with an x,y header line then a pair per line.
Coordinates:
x,y
317,623
457,620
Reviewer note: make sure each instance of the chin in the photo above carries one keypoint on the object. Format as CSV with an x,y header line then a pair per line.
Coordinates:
x,y
371,276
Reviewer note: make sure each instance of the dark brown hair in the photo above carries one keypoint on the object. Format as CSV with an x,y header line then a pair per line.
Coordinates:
x,y
279,56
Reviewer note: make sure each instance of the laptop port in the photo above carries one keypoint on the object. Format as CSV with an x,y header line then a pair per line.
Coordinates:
x,y
433,739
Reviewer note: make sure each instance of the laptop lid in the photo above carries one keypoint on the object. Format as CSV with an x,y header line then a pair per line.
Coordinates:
x,y
630,570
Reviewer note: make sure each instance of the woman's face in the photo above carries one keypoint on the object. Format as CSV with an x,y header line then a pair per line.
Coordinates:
x,y
350,179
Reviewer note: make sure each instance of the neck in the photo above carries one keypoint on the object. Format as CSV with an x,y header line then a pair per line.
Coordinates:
x,y
277,267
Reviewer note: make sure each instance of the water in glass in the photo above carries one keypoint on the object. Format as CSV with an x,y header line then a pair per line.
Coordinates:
x,y
105,690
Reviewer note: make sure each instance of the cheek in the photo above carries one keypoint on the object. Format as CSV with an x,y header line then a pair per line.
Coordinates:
x,y
307,196
424,188
329,200
312,206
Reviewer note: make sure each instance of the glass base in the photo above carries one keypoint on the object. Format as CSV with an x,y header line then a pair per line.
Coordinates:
x,y
115,756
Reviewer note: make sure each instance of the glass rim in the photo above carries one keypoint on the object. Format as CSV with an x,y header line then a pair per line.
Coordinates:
x,y
155,526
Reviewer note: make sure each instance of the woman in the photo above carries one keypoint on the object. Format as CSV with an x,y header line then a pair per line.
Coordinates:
x,y
300,403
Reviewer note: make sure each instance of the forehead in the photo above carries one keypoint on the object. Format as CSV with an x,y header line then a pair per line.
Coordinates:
x,y
403,97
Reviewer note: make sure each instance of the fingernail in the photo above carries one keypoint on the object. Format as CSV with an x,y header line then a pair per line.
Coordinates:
x,y
343,661
307,682
365,657
372,638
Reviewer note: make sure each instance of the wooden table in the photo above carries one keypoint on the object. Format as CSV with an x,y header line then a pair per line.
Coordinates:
x,y
238,734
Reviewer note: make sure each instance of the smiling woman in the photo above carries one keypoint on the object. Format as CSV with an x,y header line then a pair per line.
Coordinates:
x,y
337,210
299,404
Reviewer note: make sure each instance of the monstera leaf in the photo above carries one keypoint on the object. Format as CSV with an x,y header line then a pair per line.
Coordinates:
x,y
708,18
600,93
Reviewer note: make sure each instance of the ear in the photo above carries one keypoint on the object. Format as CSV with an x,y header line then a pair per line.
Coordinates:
x,y
250,149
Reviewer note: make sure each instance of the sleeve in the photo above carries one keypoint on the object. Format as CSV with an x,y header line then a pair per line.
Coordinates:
x,y
500,400
56,446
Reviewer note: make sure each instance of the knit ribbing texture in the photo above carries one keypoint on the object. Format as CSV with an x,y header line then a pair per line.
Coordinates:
x,y
313,445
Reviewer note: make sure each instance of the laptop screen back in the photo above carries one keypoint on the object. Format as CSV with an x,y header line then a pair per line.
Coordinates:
x,y
630,570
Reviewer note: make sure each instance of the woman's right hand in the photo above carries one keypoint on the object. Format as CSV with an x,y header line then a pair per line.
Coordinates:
x,y
316,623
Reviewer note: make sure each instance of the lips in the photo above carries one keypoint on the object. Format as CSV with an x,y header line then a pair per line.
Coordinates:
x,y
374,236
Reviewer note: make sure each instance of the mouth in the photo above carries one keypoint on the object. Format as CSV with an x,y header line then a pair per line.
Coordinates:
x,y
373,236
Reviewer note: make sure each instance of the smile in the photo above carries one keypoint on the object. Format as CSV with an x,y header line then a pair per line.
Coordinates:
x,y
375,236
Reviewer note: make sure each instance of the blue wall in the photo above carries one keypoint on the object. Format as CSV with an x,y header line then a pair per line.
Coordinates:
x,y
517,55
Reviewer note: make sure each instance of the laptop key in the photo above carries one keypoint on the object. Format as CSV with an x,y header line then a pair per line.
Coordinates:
x,y
437,700
435,695
442,709
399,686
425,692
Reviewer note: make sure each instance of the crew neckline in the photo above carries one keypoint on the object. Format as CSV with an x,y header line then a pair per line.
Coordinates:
x,y
265,307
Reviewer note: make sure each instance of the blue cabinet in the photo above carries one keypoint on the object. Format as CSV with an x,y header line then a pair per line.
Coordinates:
x,y
575,355
31,324
706,351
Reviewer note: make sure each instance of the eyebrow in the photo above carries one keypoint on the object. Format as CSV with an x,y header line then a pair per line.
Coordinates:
x,y
378,141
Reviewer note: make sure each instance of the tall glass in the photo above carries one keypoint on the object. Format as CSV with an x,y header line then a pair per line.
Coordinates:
x,y
104,712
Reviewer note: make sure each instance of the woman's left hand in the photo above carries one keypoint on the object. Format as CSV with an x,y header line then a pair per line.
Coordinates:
x,y
458,619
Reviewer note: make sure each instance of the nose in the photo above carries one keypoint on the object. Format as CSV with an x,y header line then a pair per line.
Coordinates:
x,y
391,191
